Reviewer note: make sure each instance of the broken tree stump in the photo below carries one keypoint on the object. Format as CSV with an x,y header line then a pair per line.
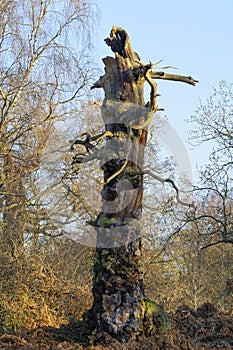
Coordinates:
x,y
120,307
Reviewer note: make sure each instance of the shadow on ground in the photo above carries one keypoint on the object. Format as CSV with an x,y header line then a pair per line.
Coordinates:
x,y
202,329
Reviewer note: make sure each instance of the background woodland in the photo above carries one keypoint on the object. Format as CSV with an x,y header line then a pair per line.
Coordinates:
x,y
46,199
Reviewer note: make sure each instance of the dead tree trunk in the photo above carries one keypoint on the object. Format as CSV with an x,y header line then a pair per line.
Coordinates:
x,y
120,307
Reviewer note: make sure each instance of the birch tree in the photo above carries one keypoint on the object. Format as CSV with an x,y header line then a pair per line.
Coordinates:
x,y
45,66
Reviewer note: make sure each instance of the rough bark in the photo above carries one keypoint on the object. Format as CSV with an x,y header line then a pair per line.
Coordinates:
x,y
13,217
120,307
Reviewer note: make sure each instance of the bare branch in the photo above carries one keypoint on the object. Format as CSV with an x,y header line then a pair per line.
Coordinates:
x,y
162,180
230,241
153,93
174,77
205,216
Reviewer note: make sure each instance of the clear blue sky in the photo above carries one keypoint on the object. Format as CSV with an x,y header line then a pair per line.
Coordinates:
x,y
194,35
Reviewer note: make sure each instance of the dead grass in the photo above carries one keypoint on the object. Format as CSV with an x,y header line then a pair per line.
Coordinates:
x,y
202,329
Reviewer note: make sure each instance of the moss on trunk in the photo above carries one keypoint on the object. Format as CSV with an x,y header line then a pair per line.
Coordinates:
x,y
119,306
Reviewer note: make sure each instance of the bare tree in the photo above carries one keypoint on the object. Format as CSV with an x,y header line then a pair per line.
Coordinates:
x,y
120,307
214,193
45,66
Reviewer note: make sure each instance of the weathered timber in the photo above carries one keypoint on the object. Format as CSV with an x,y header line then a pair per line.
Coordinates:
x,y
120,307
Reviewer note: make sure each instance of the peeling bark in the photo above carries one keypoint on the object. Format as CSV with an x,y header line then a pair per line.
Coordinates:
x,y
120,307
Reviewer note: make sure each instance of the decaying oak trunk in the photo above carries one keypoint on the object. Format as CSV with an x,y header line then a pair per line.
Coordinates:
x,y
120,307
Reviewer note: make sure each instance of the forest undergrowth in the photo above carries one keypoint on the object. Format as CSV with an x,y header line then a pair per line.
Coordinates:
x,y
205,328
44,296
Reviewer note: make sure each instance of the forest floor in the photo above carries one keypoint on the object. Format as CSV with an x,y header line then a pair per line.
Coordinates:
x,y
205,328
